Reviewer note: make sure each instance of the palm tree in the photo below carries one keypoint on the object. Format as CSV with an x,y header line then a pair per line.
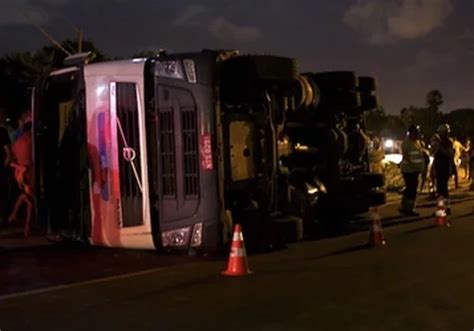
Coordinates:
x,y
434,99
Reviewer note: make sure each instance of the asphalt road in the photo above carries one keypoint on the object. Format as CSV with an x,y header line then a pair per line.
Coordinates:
x,y
421,280
33,263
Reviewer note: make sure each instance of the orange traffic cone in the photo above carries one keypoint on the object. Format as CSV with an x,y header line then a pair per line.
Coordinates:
x,y
237,265
376,238
441,218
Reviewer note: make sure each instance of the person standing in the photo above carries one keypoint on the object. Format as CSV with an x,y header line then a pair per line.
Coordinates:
x,y
411,167
458,150
471,167
22,163
465,159
425,172
376,156
5,158
443,153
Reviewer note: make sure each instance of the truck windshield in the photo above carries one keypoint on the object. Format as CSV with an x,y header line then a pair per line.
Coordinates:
x,y
61,153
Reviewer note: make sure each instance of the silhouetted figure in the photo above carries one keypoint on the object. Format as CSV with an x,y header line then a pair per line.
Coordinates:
x,y
458,150
443,153
425,172
465,159
5,172
22,164
412,165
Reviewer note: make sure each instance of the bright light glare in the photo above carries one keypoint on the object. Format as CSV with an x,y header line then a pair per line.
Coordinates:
x,y
313,190
388,143
299,147
394,158
100,90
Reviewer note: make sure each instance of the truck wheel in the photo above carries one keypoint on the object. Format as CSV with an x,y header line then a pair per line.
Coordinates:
x,y
243,77
260,67
367,84
355,112
369,102
340,100
290,227
371,180
338,80
307,93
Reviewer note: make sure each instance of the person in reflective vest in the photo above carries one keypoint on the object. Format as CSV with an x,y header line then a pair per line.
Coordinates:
x,y
412,165
376,156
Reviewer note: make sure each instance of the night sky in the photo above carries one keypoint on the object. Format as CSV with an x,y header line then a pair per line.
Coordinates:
x,y
411,46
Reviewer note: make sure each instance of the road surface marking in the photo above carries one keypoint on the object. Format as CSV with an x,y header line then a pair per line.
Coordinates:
x,y
79,284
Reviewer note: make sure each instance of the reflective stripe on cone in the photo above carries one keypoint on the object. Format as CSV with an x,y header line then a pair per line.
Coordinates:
x,y
376,237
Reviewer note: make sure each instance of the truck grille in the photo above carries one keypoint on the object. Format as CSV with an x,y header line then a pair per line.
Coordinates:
x,y
168,165
190,152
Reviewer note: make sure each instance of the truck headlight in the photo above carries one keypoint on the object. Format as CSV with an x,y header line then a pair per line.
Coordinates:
x,y
196,238
176,238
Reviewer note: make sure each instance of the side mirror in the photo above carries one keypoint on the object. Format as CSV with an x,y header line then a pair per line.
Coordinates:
x,y
78,59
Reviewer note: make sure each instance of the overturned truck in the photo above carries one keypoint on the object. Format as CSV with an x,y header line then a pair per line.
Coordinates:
x,y
169,152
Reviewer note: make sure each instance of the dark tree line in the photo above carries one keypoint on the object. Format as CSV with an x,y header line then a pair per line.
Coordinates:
x,y
20,71
429,117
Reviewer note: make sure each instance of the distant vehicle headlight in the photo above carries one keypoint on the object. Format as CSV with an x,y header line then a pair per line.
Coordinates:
x,y
393,158
388,143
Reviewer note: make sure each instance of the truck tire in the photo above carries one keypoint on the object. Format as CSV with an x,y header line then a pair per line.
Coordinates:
x,y
244,77
307,93
338,80
340,100
290,227
355,112
371,180
369,102
260,67
367,84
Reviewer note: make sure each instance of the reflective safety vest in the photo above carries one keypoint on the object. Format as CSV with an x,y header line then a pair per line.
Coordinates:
x,y
413,160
